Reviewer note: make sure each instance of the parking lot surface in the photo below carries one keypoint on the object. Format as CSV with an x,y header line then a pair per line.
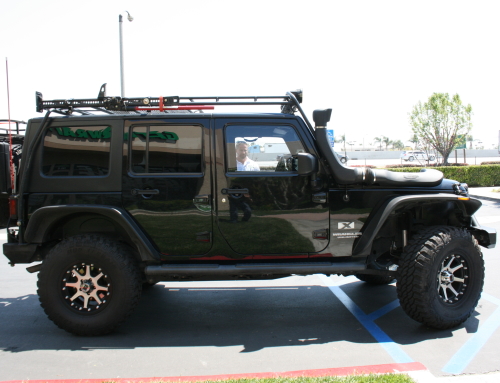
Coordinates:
x,y
209,328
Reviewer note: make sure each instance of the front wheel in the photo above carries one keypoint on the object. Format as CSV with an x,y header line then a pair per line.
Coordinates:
x,y
89,284
441,277
432,158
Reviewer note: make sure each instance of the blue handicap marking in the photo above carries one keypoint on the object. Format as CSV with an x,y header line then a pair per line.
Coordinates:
x,y
458,362
367,321
468,351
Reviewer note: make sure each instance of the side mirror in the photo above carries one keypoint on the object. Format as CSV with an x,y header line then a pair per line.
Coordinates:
x,y
307,164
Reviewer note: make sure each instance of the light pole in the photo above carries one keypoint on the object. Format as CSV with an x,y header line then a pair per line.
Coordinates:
x,y
130,18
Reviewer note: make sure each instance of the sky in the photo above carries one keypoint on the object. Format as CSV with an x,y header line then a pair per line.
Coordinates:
x,y
370,61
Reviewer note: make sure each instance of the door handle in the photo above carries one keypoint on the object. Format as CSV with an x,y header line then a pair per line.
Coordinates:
x,y
235,191
202,199
144,191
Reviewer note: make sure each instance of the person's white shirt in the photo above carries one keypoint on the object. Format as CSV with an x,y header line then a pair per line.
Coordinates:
x,y
247,166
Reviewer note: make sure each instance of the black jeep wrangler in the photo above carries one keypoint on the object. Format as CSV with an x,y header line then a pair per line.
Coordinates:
x,y
114,194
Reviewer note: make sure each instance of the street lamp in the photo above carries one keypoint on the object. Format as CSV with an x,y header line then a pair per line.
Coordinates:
x,y
130,18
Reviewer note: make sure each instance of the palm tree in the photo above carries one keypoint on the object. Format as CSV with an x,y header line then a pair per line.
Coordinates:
x,y
387,142
341,140
414,140
379,141
398,145
470,139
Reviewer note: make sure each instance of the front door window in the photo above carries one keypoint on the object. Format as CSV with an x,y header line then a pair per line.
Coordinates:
x,y
265,208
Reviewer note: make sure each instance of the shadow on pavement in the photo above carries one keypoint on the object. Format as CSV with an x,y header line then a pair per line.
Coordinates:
x,y
253,317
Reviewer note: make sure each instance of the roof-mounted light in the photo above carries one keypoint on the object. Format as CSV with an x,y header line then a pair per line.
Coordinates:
x,y
298,95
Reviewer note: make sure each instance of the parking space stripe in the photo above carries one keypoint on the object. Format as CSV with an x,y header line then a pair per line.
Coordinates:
x,y
468,351
397,354
384,310
491,298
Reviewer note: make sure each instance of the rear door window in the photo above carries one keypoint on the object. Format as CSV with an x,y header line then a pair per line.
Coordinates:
x,y
166,149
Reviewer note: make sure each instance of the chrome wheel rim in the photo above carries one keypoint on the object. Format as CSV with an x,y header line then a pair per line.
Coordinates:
x,y
452,278
86,288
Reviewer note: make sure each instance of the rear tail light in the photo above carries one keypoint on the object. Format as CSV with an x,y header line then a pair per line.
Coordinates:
x,y
13,207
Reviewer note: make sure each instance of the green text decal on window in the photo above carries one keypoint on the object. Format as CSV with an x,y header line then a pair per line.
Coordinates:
x,y
76,151
166,149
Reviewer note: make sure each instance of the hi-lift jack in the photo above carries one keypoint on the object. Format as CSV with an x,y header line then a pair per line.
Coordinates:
x,y
105,103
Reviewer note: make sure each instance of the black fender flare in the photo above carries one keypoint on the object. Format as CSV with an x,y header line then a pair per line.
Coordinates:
x,y
43,221
363,247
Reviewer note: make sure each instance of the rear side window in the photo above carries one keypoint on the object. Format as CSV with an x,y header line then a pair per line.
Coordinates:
x,y
166,149
72,151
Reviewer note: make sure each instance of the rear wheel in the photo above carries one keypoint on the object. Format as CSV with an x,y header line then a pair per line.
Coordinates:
x,y
88,284
432,158
441,276
411,158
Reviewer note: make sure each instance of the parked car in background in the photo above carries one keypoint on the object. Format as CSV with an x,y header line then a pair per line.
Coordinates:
x,y
411,155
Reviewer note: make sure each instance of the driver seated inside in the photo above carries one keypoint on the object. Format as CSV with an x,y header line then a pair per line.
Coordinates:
x,y
243,163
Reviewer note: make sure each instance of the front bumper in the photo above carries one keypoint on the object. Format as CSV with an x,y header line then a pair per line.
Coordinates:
x,y
486,236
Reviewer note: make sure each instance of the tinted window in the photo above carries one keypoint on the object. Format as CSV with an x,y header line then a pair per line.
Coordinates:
x,y
166,149
81,151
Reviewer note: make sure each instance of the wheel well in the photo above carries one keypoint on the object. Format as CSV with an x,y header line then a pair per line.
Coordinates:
x,y
75,224
403,223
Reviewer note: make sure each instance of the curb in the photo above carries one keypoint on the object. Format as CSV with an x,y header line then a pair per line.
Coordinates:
x,y
341,371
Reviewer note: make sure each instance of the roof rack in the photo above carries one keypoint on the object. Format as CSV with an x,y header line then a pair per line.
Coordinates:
x,y
289,103
16,130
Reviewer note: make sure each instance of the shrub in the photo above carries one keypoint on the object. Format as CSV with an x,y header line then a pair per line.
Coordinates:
x,y
474,175
452,164
363,166
420,165
490,163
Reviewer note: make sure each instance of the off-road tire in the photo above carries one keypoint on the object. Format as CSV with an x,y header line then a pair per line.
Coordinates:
x,y
106,268
375,279
436,260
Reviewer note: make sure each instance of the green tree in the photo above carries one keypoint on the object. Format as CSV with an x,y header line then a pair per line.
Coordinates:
x,y
414,140
439,121
398,145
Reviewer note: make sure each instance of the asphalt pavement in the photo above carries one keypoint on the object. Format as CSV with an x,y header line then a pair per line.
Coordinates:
x,y
234,327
